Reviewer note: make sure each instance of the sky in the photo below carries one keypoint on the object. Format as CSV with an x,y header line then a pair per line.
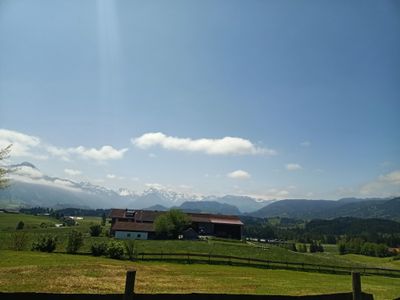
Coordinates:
x,y
272,99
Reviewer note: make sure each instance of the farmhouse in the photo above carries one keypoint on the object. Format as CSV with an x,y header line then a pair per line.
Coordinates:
x,y
139,224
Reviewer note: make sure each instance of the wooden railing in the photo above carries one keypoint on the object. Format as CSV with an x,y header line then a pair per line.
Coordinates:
x,y
272,264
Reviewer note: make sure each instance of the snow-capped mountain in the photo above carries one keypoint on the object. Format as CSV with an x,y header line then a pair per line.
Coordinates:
x,y
30,187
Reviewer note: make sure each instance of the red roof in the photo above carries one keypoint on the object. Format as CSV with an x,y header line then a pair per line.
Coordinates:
x,y
217,219
230,221
117,213
149,216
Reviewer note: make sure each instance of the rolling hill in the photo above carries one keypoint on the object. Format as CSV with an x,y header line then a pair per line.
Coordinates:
x,y
328,209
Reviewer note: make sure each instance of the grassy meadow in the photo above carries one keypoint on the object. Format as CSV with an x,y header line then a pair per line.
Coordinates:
x,y
33,230
34,226
59,272
56,272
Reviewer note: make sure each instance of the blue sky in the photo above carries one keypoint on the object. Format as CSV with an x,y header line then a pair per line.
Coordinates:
x,y
144,93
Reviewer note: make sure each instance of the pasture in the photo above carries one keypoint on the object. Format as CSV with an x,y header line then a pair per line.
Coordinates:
x,y
34,228
55,272
59,272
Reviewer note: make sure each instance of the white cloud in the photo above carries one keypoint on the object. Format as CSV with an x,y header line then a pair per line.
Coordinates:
x,y
282,193
391,178
156,186
271,194
293,167
113,176
239,174
32,146
223,146
385,185
62,182
72,172
22,144
104,153
305,144
27,172
34,176
58,152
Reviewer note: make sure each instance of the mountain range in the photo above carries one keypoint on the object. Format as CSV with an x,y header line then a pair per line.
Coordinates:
x,y
31,188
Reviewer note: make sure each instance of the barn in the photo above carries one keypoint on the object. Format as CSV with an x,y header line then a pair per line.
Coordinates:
x,y
139,224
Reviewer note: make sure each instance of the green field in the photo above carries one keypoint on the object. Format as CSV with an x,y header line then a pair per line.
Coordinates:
x,y
32,229
43,272
58,272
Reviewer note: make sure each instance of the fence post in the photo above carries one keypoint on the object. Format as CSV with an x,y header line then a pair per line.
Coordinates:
x,y
130,285
356,281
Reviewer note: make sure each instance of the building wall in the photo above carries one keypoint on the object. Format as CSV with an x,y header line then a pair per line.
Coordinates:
x,y
131,235
203,228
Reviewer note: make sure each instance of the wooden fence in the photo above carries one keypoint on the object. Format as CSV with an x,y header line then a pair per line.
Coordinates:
x,y
129,294
271,264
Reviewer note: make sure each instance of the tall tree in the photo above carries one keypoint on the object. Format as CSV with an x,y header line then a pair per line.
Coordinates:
x,y
171,224
4,181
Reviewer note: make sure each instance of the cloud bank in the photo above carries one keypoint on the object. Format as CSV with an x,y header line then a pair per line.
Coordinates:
x,y
32,146
385,185
224,146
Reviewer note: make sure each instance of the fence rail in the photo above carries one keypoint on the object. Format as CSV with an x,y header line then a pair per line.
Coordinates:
x,y
256,262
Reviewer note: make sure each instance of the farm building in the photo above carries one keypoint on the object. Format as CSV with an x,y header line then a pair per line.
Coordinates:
x,y
139,224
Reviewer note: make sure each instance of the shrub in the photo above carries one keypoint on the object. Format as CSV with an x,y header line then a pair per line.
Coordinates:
x,y
290,246
316,247
99,249
302,248
43,225
45,243
20,225
95,230
130,249
171,224
342,247
358,246
75,241
19,241
115,250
